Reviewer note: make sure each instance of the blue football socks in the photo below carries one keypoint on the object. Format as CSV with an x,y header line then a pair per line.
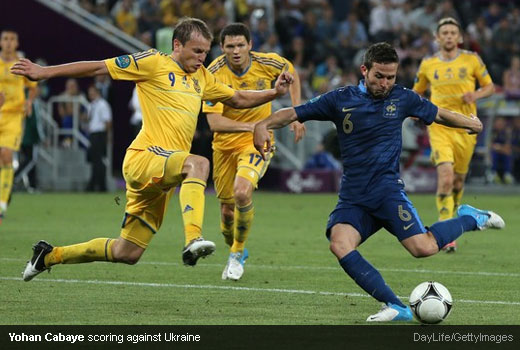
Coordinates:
x,y
449,230
368,278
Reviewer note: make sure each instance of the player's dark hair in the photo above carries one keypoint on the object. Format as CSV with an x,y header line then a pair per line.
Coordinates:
x,y
235,29
447,20
8,30
188,25
380,53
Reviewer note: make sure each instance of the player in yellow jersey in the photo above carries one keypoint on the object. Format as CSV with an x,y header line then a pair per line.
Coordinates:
x,y
12,112
237,165
170,89
451,75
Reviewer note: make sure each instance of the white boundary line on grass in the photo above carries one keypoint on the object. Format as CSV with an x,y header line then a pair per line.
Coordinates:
x,y
328,268
249,289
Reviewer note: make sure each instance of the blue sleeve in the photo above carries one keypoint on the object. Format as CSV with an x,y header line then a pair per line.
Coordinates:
x,y
420,107
318,108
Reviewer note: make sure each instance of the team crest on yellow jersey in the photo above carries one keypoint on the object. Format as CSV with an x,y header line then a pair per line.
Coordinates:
x,y
196,85
243,85
463,71
260,84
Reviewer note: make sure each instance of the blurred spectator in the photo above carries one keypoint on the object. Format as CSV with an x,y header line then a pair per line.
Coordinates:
x,y
515,141
99,128
381,24
327,28
446,9
493,14
66,109
353,31
150,16
501,45
424,17
501,152
511,79
321,159
104,84
272,45
261,34
481,34
125,17
327,75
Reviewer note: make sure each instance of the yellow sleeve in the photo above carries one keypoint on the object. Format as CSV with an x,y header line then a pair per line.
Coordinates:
x,y
212,107
133,67
29,83
214,90
421,81
481,72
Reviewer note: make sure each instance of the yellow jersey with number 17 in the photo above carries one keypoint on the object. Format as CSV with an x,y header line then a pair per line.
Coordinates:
x,y
13,88
450,80
263,70
170,98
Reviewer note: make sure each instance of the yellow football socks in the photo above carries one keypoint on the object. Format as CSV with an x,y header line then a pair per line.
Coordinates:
x,y
242,225
99,249
445,206
457,198
191,198
227,231
6,184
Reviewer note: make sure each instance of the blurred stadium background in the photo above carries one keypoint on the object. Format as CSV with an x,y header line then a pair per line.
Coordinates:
x,y
325,39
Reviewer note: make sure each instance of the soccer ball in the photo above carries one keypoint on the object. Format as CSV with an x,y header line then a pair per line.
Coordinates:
x,y
431,302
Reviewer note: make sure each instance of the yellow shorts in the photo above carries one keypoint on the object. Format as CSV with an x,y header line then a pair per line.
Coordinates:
x,y
11,126
151,176
247,164
451,146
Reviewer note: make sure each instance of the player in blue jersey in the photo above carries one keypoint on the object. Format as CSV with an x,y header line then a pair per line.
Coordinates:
x,y
369,118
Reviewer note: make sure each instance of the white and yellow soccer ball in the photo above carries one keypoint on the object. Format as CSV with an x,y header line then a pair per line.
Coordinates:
x,y
431,302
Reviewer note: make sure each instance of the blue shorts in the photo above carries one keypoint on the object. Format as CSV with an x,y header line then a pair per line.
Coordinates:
x,y
395,213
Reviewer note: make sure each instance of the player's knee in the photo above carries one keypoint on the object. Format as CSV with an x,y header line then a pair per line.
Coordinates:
x,y
423,251
197,166
242,196
130,257
340,248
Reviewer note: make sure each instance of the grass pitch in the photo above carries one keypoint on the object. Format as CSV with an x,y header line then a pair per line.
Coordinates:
x,y
291,277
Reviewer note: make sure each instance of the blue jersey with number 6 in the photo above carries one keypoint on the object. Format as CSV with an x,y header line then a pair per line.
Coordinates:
x,y
369,135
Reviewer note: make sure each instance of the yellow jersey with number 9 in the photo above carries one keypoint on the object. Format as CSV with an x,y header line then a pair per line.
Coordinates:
x,y
170,98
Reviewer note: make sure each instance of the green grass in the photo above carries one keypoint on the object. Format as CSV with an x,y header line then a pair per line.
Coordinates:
x,y
291,277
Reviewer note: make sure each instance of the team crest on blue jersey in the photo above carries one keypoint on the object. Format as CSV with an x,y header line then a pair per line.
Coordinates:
x,y
260,84
123,61
390,110
463,71
196,85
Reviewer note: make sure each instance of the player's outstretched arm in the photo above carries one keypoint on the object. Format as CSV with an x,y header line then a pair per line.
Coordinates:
x,y
277,120
253,98
296,91
219,123
457,120
34,71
